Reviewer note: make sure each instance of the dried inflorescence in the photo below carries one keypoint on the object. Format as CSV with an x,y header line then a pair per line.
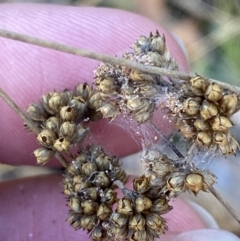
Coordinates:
x,y
200,109
202,112
124,90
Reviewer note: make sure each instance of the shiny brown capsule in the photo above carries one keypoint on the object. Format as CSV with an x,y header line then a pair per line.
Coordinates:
x,y
43,155
61,145
194,182
142,203
137,222
67,113
198,85
214,92
201,125
89,207
208,110
119,220
221,123
228,104
67,130
104,211
53,124
204,138
160,206
109,110
141,184
155,222
192,105
46,138
106,85
124,206
220,138
89,222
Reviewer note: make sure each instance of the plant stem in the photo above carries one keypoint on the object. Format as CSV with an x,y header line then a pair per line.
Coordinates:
x,y
224,203
105,58
19,112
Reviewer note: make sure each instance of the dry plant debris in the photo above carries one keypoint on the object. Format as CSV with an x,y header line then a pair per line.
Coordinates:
x,y
200,109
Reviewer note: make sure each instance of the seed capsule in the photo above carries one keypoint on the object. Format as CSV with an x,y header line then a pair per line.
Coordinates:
x,y
119,233
67,113
67,130
88,222
139,236
55,101
98,233
142,203
158,43
204,138
90,193
186,129
46,138
61,145
137,222
43,155
142,45
109,110
221,123
74,204
201,125
109,196
220,138
175,183
119,220
192,105
89,207
124,206
36,112
139,76
230,148
53,124
208,110
89,168
74,220
228,104
198,85
141,184
84,91
104,211
155,222
214,92
160,206
103,162
194,182
106,85
101,180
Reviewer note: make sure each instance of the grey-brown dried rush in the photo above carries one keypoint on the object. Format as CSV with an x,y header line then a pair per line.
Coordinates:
x,y
200,110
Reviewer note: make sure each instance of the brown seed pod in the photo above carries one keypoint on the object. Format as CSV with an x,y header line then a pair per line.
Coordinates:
x,y
158,43
67,113
205,138
46,138
98,233
88,222
194,182
61,145
231,147
137,222
67,130
103,162
55,101
119,220
88,168
199,85
74,220
141,184
208,110
43,155
187,130
104,211
90,193
124,206
106,84
142,44
142,203
36,112
84,91
89,207
229,104
119,233
101,179
109,197
214,92
53,124
74,205
139,76
221,123
145,113
155,223
201,125
109,110
160,206
175,183
192,105
220,138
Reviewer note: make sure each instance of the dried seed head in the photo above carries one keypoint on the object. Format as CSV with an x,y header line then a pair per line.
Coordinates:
x,y
198,85
83,90
53,124
119,220
192,105
74,220
98,233
175,182
55,101
214,92
142,203
109,196
36,112
208,110
88,168
141,184
43,155
139,235
46,138
109,110
88,222
101,179
104,212
89,207
74,205
67,113
221,123
204,138
201,125
228,104
137,222
194,182
124,206
220,138
106,85
155,223
90,193
67,130
61,145
103,162
160,206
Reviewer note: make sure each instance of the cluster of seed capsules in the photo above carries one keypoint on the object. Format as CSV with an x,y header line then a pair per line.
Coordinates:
x,y
134,93
202,112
